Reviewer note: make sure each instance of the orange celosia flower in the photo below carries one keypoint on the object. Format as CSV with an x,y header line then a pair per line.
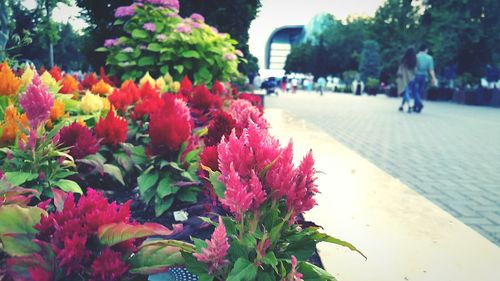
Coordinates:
x,y
9,83
101,88
10,126
69,85
57,110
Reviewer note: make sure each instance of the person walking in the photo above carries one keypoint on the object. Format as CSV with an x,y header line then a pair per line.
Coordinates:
x,y
406,77
425,68
321,84
295,83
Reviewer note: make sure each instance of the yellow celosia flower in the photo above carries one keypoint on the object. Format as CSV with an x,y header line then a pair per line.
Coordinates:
x,y
174,88
26,78
101,88
48,80
161,84
147,78
106,105
168,78
91,103
9,83
57,110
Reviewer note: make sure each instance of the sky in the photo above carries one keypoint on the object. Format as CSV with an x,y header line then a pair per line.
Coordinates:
x,y
277,13
273,14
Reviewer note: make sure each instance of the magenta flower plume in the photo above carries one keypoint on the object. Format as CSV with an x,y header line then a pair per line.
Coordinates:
x,y
37,103
217,249
280,177
244,112
125,11
79,139
300,197
108,266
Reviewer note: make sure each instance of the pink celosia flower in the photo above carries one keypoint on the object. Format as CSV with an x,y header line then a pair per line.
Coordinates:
x,y
183,28
125,11
244,112
149,26
108,43
280,177
294,275
300,197
218,246
32,138
197,17
108,266
37,103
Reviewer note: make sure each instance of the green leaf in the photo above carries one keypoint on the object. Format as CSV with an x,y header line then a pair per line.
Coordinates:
x,y
265,276
121,57
192,156
154,47
68,186
238,250
164,69
199,244
112,234
144,61
139,34
147,180
243,270
190,54
16,229
322,237
179,68
154,258
115,172
218,186
101,49
187,195
163,204
270,259
18,178
166,187
195,267
313,273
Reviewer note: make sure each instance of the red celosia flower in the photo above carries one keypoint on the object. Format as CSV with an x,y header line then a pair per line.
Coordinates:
x,y
108,266
148,92
79,139
209,158
244,112
127,95
112,130
109,80
56,73
148,107
186,87
218,247
222,125
37,273
170,127
74,254
89,80
255,100
201,98
218,89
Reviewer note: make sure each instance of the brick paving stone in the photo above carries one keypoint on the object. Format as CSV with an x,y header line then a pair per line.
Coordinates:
x,y
449,153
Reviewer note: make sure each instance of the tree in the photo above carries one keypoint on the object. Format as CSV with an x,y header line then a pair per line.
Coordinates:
x,y
369,65
50,27
4,28
229,16
100,16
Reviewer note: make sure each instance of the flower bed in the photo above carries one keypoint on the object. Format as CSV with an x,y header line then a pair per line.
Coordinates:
x,y
109,180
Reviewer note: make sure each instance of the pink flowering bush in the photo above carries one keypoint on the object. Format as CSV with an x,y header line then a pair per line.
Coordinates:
x,y
157,40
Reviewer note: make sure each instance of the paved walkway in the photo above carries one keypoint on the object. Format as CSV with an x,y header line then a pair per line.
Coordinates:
x,y
450,153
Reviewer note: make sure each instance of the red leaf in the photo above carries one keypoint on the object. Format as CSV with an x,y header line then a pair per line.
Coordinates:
x,y
59,198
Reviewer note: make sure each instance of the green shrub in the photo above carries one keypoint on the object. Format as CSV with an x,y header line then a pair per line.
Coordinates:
x,y
158,40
